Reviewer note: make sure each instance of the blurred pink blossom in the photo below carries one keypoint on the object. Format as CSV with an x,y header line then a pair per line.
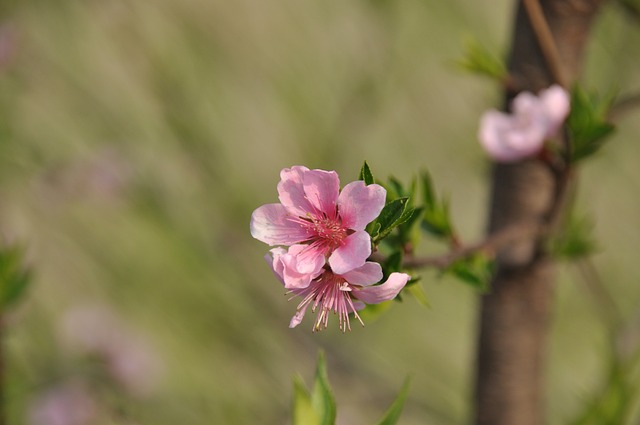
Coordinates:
x,y
96,330
69,403
318,223
341,293
534,119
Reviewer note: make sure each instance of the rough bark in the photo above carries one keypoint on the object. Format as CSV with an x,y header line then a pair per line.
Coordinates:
x,y
515,315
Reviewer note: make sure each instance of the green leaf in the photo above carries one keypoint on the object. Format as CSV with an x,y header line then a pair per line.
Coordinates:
x,y
427,190
575,240
393,263
303,411
392,215
318,407
365,174
587,125
322,397
14,277
420,295
436,218
475,270
392,415
479,60
372,311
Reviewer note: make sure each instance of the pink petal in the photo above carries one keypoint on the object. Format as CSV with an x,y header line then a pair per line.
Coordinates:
x,y
304,259
322,188
353,253
291,190
386,291
556,103
271,224
359,204
366,275
301,264
297,318
274,261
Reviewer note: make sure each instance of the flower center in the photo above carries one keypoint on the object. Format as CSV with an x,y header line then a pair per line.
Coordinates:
x,y
330,230
329,292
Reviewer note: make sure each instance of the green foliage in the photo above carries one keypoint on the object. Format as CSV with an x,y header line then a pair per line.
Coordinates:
x,y
366,175
575,239
392,415
479,60
587,125
14,277
618,396
476,270
631,8
318,407
393,214
436,219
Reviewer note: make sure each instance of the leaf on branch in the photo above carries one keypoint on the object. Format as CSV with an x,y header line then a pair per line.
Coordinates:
x,y
575,239
366,175
587,124
393,214
392,415
436,219
475,270
318,407
479,60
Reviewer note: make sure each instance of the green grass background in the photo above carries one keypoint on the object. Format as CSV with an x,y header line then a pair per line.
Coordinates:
x,y
136,138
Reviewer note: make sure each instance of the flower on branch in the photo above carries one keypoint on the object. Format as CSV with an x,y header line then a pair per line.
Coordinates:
x,y
341,294
319,223
521,134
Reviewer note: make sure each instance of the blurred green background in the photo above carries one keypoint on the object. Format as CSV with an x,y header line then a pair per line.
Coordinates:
x,y
136,138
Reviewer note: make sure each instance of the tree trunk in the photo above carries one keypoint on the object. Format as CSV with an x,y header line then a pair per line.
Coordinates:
x,y
515,315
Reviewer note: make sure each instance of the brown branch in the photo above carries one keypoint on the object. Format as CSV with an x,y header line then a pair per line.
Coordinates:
x,y
548,46
490,245
545,40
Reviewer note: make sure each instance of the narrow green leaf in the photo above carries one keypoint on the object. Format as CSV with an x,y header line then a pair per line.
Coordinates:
x,y
303,411
392,415
576,239
391,216
365,174
475,270
479,60
322,397
420,295
427,190
397,187
587,124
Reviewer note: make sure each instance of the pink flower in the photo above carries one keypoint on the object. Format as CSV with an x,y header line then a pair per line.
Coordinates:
x,y
319,223
511,137
341,293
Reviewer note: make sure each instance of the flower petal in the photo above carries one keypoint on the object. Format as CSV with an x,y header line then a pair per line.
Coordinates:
x,y
273,259
366,275
322,188
556,103
386,291
291,191
297,318
359,204
301,264
270,224
353,253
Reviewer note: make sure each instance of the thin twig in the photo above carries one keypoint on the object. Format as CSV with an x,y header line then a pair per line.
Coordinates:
x,y
545,41
490,245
